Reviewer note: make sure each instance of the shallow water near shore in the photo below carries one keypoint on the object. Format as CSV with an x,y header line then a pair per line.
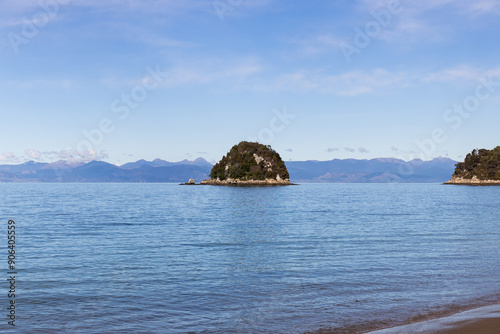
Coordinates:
x,y
165,258
485,319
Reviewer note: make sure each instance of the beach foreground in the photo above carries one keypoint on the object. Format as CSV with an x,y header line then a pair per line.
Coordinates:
x,y
484,320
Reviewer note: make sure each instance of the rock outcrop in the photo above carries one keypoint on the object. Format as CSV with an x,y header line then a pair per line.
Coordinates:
x,y
237,182
249,164
191,182
474,181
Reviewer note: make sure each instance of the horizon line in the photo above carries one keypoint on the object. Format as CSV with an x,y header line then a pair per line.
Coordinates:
x,y
187,160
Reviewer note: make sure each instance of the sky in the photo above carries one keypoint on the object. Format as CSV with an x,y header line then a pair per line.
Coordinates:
x,y
120,81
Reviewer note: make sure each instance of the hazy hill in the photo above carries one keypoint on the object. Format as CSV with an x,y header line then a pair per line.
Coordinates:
x,y
162,163
371,171
349,170
98,171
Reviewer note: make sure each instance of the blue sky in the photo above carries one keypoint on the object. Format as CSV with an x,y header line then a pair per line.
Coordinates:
x,y
317,80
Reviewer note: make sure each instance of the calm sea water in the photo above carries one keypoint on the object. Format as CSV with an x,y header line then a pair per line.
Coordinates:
x,y
163,258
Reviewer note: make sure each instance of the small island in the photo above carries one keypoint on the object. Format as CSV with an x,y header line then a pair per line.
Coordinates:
x,y
249,164
480,168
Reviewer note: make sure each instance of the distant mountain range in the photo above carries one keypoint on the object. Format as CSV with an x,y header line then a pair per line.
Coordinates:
x,y
98,171
382,170
340,171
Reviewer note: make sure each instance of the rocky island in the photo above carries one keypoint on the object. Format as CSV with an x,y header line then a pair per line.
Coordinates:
x,y
249,164
480,168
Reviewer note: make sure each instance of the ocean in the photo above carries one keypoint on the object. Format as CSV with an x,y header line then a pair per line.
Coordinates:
x,y
164,258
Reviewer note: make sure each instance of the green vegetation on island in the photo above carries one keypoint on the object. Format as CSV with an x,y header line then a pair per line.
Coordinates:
x,y
250,161
480,164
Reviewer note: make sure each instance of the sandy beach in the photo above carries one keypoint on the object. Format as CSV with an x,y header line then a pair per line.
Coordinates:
x,y
484,320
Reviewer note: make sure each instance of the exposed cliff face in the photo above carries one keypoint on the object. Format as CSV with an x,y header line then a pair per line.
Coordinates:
x,y
250,164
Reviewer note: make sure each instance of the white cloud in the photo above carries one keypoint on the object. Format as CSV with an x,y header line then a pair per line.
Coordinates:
x,y
363,150
416,22
208,72
51,156
345,84
461,73
479,7
37,83
167,8
316,45
357,83
463,7
452,74
82,156
33,154
28,6
251,75
9,158
223,9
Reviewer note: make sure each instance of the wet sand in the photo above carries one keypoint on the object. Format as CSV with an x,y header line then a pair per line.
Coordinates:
x,y
484,320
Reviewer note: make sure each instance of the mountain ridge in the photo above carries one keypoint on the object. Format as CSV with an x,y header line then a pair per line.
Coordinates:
x,y
377,170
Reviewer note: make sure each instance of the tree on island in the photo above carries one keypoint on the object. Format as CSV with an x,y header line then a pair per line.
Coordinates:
x,y
483,164
250,161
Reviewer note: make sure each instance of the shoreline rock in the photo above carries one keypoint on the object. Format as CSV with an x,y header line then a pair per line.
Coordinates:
x,y
191,182
247,183
472,182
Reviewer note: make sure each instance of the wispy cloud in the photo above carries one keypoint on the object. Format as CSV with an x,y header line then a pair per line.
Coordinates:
x,y
40,83
317,45
33,154
462,7
235,9
346,84
155,6
82,156
416,22
483,7
251,75
204,72
363,150
51,156
365,82
9,157
461,73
